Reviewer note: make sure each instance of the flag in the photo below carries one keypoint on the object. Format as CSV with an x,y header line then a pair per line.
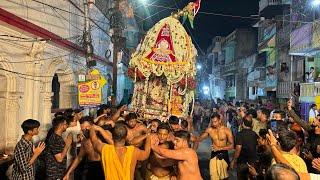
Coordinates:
x,y
190,11
196,8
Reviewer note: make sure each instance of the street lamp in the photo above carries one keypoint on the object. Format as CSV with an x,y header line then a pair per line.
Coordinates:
x,y
199,66
205,90
144,2
315,3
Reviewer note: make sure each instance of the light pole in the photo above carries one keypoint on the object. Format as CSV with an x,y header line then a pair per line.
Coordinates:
x,y
315,4
87,44
116,24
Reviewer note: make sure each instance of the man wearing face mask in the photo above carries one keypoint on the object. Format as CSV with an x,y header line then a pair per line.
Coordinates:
x,y
95,170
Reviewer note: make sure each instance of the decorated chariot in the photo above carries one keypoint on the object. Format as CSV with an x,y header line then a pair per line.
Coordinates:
x,y
163,69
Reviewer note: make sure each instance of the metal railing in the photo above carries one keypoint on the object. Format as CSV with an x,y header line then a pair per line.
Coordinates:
x,y
285,89
310,89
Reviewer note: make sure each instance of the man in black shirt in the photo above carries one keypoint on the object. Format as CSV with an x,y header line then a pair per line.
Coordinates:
x,y
246,148
57,149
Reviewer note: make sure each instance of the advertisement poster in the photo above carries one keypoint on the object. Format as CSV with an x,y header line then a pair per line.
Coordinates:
x,y
90,89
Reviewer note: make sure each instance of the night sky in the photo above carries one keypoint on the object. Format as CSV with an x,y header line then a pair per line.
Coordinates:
x,y
206,26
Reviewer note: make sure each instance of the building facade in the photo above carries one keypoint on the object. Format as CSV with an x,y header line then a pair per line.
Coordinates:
x,y
41,56
228,78
304,50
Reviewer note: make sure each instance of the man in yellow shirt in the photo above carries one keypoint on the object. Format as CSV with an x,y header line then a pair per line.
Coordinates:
x,y
287,141
119,161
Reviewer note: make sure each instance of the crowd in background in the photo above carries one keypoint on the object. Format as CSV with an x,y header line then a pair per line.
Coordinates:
x,y
258,141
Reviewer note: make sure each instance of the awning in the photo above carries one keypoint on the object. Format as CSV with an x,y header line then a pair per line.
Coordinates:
x,y
267,45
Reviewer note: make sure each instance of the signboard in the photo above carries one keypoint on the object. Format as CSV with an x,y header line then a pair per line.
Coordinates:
x,y
90,91
300,39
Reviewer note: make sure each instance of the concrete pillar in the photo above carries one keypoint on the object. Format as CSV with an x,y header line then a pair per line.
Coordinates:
x,y
36,92
46,101
11,118
46,114
28,92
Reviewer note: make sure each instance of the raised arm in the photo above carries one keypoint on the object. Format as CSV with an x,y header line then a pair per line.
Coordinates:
x,y
97,144
204,135
272,141
105,134
137,140
180,155
144,154
296,118
116,116
75,163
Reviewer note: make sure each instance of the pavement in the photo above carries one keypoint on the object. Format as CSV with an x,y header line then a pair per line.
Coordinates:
x,y
204,153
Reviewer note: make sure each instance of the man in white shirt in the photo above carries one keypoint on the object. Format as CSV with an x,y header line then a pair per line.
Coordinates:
x,y
313,112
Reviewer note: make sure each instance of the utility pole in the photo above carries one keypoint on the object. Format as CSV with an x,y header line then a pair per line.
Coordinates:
x,y
87,43
116,24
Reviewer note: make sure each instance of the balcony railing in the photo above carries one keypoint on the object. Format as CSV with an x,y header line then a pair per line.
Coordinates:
x,y
265,3
310,89
229,67
285,89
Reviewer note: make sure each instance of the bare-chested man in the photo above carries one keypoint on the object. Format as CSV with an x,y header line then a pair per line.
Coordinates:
x,y
193,139
119,160
95,170
175,126
187,158
153,125
222,141
197,118
137,132
158,167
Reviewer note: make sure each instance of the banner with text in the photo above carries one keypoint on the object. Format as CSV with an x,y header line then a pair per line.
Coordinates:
x,y
90,89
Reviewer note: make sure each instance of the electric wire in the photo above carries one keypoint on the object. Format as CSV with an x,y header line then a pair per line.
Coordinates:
x,y
229,15
66,11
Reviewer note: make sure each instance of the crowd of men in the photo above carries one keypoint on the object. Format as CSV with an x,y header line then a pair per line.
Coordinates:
x,y
266,143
